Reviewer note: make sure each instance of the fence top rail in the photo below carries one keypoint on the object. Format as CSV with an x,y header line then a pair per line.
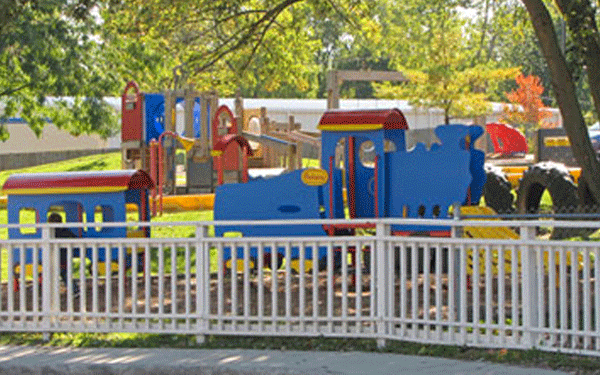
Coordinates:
x,y
301,241
459,222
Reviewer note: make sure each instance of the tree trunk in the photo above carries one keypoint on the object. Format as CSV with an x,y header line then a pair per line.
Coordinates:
x,y
564,90
582,23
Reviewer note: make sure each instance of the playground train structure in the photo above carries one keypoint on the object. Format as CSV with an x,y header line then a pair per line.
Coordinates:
x,y
363,153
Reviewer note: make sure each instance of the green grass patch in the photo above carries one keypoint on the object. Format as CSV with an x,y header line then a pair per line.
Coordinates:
x,y
109,161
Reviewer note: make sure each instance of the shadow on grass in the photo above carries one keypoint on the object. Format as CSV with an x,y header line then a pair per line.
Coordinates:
x,y
92,165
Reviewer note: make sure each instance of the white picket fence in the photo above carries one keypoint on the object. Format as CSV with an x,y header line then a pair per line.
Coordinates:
x,y
544,294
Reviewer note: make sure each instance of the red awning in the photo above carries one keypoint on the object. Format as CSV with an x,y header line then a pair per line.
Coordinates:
x,y
362,120
77,182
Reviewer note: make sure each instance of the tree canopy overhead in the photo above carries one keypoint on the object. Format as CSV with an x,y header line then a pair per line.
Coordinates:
x,y
262,46
50,48
449,60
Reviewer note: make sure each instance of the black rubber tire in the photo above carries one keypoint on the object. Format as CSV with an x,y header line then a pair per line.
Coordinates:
x,y
556,179
497,190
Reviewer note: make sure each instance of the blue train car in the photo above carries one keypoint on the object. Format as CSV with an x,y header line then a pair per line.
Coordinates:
x,y
80,197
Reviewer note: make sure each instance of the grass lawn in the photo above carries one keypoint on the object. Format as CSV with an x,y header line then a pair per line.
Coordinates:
x,y
98,162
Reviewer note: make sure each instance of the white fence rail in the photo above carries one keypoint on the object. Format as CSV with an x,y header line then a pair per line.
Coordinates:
x,y
509,293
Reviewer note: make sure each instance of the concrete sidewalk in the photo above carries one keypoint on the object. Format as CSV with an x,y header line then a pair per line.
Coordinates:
x,y
44,360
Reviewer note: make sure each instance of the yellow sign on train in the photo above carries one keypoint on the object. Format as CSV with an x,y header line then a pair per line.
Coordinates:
x,y
314,177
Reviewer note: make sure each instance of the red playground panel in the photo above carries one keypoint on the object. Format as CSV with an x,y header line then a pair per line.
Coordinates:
x,y
506,139
131,113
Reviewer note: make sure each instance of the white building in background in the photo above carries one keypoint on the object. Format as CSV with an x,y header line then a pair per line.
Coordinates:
x,y
307,112
23,140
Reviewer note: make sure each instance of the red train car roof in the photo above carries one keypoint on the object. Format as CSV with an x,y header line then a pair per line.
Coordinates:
x,y
357,120
77,182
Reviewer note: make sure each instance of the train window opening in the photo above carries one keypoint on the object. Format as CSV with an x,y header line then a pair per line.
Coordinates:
x,y
233,234
28,215
103,214
366,154
56,210
133,216
340,151
71,212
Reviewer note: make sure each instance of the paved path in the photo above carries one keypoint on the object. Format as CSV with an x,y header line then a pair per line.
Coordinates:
x,y
44,360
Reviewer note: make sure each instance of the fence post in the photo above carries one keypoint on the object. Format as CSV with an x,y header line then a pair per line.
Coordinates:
x,y
202,283
528,285
50,296
456,232
382,231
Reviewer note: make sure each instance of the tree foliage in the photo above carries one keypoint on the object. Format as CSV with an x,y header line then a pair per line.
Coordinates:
x,y
445,69
527,106
49,48
260,45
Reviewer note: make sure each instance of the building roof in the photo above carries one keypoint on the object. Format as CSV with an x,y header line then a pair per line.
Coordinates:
x,y
362,120
76,182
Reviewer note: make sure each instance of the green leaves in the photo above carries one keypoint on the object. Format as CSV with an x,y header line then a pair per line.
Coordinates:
x,y
261,46
442,60
52,48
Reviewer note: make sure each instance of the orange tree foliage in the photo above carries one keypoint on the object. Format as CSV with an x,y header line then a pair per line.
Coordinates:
x,y
527,109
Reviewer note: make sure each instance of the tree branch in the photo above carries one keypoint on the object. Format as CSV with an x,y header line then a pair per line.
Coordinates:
x,y
14,90
251,30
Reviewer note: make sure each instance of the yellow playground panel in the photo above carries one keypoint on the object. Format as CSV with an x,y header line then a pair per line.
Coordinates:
x,y
500,233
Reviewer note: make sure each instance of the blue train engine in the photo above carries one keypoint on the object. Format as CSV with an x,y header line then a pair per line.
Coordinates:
x,y
79,197
364,154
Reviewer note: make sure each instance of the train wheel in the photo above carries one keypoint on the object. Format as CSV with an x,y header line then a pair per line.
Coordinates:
x,y
497,190
556,179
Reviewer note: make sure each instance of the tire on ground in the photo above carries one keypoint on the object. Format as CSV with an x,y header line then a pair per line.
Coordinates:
x,y
556,179
497,190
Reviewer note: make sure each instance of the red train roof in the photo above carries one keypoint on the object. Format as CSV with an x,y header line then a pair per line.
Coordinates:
x,y
362,120
77,182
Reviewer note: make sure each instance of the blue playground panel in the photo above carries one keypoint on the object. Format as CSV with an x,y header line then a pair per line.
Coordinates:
x,y
294,252
154,117
275,198
440,176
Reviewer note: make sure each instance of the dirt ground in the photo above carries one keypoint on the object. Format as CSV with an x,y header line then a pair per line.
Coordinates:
x,y
172,296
